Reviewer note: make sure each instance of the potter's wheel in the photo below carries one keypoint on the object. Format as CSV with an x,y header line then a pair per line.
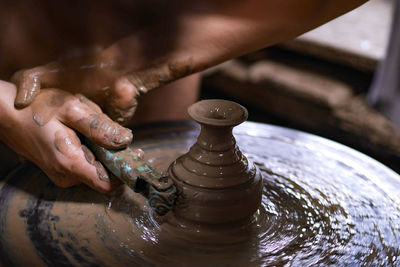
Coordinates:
x,y
323,204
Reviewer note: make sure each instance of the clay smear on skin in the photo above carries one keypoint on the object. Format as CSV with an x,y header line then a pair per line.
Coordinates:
x,y
83,99
118,107
101,172
155,77
31,80
46,103
100,126
102,129
145,80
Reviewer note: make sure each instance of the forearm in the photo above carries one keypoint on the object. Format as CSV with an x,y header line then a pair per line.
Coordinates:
x,y
187,38
202,39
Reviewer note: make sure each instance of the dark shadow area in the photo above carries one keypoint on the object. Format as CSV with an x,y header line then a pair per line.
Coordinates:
x,y
358,81
38,32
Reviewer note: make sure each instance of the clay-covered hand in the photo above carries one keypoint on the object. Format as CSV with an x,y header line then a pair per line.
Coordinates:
x,y
191,37
92,76
44,134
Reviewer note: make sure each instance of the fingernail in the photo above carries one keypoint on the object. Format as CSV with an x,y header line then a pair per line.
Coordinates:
x,y
101,172
19,104
122,137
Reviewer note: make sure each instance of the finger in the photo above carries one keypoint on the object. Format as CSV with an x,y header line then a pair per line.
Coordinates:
x,y
96,126
28,87
89,103
122,116
30,82
76,164
17,76
91,159
96,177
123,100
67,148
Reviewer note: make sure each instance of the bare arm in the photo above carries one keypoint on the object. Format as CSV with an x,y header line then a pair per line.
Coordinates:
x,y
187,40
197,35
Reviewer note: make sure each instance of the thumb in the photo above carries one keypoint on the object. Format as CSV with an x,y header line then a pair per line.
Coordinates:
x,y
28,87
123,102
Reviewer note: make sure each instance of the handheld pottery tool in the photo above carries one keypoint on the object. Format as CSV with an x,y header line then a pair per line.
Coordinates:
x,y
129,166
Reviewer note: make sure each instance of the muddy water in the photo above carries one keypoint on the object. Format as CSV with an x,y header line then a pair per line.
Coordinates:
x,y
323,204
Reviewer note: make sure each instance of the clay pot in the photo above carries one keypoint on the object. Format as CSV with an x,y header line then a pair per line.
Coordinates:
x,y
218,184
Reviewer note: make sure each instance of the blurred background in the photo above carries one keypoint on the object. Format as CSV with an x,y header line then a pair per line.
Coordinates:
x,y
319,82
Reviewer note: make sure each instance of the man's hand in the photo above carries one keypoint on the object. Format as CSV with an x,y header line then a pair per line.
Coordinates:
x,y
198,35
94,78
44,133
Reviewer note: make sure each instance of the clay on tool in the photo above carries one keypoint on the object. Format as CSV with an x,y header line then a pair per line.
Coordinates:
x,y
128,165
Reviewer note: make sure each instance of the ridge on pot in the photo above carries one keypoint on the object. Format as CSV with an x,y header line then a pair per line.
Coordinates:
x,y
217,183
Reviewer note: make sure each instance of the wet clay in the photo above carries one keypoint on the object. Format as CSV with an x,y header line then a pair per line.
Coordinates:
x,y
129,166
46,105
323,204
79,113
31,81
102,80
219,186
101,129
142,81
156,76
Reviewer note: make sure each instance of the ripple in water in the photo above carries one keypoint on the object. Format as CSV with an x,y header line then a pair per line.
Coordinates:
x,y
305,220
320,207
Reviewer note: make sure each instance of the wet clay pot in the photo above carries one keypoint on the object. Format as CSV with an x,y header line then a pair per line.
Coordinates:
x,y
218,184
322,204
